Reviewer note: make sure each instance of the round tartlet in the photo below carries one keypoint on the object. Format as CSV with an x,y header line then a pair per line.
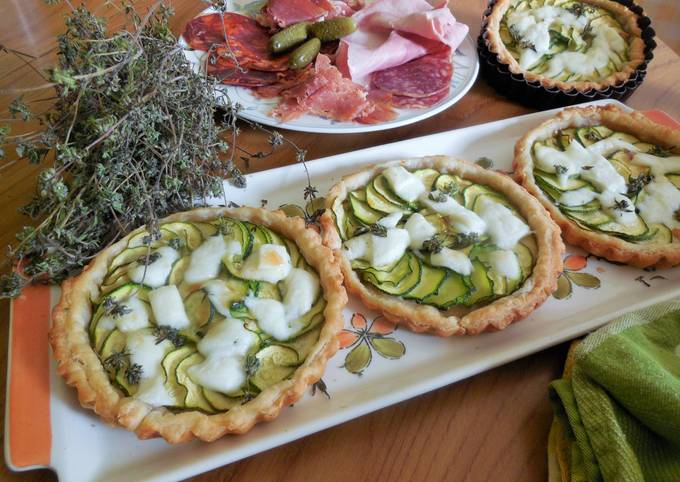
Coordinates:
x,y
123,308
618,195
459,286
569,45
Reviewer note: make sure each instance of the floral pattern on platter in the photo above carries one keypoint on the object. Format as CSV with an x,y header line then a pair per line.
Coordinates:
x,y
571,275
363,337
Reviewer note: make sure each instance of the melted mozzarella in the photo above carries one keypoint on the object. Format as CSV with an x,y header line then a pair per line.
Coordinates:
x,y
455,260
660,166
503,226
154,392
271,318
419,230
206,260
609,201
391,220
135,316
533,27
577,197
461,219
145,352
358,247
505,263
221,295
378,250
389,249
227,338
156,273
269,262
221,374
659,202
168,308
300,290
405,185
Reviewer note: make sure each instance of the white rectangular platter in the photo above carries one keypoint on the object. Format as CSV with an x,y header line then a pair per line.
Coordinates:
x,y
85,449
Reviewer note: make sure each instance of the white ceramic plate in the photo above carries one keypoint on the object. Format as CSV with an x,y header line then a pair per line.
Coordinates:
x,y
85,449
465,63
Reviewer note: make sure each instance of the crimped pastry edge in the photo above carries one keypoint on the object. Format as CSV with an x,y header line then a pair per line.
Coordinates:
x,y
423,318
626,17
599,244
78,363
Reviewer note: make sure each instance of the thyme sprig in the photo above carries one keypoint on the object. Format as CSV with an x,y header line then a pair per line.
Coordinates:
x,y
134,373
165,332
131,137
637,184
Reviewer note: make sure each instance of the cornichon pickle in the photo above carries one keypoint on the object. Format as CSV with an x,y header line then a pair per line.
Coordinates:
x,y
333,29
289,37
304,54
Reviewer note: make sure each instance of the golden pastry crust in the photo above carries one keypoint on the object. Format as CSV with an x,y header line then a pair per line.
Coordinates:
x,y
78,363
423,318
609,247
626,18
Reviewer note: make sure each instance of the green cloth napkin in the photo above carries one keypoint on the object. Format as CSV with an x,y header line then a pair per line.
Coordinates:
x,y
617,409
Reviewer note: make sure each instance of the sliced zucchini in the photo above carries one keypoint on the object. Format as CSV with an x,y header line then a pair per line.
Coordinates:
x,y
207,229
177,272
127,256
169,364
405,276
115,342
552,181
382,187
588,218
221,402
630,232
675,179
428,176
362,211
275,363
187,231
199,309
481,284
194,397
375,200
430,280
525,258
454,290
304,343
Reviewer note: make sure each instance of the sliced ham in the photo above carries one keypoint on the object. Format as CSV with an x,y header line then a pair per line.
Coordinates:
x,y
327,94
393,32
423,77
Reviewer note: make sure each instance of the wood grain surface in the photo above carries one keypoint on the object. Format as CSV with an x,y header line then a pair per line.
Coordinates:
x,y
491,427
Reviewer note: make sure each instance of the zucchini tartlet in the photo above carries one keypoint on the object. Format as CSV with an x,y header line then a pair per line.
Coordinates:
x,y
610,179
212,324
566,44
442,245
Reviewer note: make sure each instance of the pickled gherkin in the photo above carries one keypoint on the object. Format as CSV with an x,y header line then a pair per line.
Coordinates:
x,y
333,29
289,37
304,54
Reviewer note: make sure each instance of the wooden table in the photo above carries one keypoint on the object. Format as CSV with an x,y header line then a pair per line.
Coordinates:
x,y
493,426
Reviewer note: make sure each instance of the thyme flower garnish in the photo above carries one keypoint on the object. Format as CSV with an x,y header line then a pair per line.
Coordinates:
x,y
252,365
165,332
517,38
622,205
116,360
152,258
377,229
637,184
661,152
433,245
463,240
115,308
676,215
134,373
560,169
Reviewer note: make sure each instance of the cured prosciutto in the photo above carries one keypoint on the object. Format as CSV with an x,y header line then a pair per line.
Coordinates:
x,y
327,93
393,32
288,12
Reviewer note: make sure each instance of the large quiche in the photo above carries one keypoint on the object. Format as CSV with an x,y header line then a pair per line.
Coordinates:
x,y
567,44
214,323
443,245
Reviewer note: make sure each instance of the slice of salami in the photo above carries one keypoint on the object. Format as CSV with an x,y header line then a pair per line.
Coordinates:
x,y
422,77
248,41
406,102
